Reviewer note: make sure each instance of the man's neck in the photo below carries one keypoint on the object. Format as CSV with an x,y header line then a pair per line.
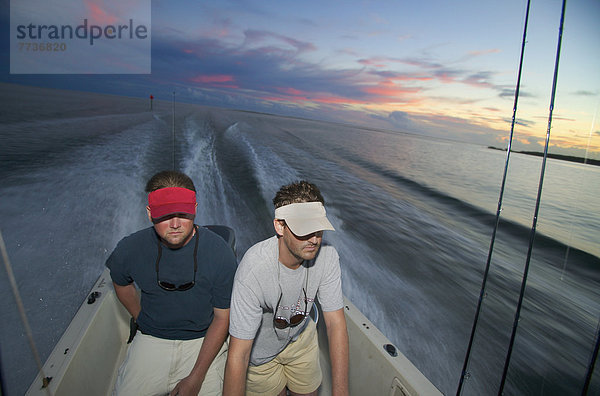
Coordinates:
x,y
288,259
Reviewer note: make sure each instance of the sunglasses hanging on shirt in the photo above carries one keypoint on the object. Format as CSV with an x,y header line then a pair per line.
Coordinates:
x,y
281,322
170,286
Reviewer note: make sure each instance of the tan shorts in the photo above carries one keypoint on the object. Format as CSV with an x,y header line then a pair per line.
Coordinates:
x,y
296,367
154,366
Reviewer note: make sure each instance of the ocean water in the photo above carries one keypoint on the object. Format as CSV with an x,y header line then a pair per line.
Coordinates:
x,y
414,218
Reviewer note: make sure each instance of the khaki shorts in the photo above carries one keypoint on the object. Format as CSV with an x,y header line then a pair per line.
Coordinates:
x,y
154,366
296,367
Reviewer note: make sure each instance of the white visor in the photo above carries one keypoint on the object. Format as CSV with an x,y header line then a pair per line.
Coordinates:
x,y
304,218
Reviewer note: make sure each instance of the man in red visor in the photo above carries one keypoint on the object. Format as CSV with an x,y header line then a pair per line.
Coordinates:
x,y
185,275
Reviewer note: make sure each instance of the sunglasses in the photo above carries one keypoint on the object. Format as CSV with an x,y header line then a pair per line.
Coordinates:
x,y
282,323
168,286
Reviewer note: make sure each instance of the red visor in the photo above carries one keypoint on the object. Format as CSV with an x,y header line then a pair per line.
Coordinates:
x,y
170,200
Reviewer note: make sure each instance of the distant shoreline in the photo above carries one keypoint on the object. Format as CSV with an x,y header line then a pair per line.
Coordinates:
x,y
555,156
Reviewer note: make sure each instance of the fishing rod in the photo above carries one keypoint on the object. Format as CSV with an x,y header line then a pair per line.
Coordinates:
x,y
21,308
594,357
537,204
464,373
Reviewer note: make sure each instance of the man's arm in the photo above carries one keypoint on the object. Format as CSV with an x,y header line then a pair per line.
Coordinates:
x,y
129,298
213,341
337,334
237,365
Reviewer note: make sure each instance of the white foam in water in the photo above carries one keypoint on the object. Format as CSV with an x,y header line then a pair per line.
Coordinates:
x,y
271,170
200,164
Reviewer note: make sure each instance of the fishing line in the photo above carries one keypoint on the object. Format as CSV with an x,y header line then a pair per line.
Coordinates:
x,y
173,129
585,158
537,204
593,358
21,308
464,373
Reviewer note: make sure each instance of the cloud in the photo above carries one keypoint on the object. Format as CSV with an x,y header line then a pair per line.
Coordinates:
x,y
98,14
477,53
480,79
270,67
585,93
402,120
255,37
269,72
484,52
421,63
274,67
375,62
521,122
402,76
427,70
215,80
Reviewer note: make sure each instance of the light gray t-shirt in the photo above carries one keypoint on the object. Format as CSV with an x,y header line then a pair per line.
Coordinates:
x,y
259,282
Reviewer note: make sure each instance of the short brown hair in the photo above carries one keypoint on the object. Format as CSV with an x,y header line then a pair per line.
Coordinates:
x,y
169,178
297,192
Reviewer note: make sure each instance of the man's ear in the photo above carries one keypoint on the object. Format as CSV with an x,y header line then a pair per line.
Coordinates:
x,y
278,225
149,214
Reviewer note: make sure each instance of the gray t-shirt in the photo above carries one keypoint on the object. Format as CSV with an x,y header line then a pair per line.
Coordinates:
x,y
259,282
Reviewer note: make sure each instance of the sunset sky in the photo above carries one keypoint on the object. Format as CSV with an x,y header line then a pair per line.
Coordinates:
x,y
441,68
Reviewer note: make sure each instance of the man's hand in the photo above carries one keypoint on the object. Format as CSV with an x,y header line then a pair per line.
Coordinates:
x,y
187,387
213,341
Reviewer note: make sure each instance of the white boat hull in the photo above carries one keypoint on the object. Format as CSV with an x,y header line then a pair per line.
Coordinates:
x,y
86,359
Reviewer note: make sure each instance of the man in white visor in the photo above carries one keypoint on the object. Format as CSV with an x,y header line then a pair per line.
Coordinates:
x,y
273,344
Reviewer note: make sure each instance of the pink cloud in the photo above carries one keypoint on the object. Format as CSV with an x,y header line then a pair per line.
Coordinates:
x,y
216,80
484,52
446,78
375,62
290,91
339,100
99,15
387,90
